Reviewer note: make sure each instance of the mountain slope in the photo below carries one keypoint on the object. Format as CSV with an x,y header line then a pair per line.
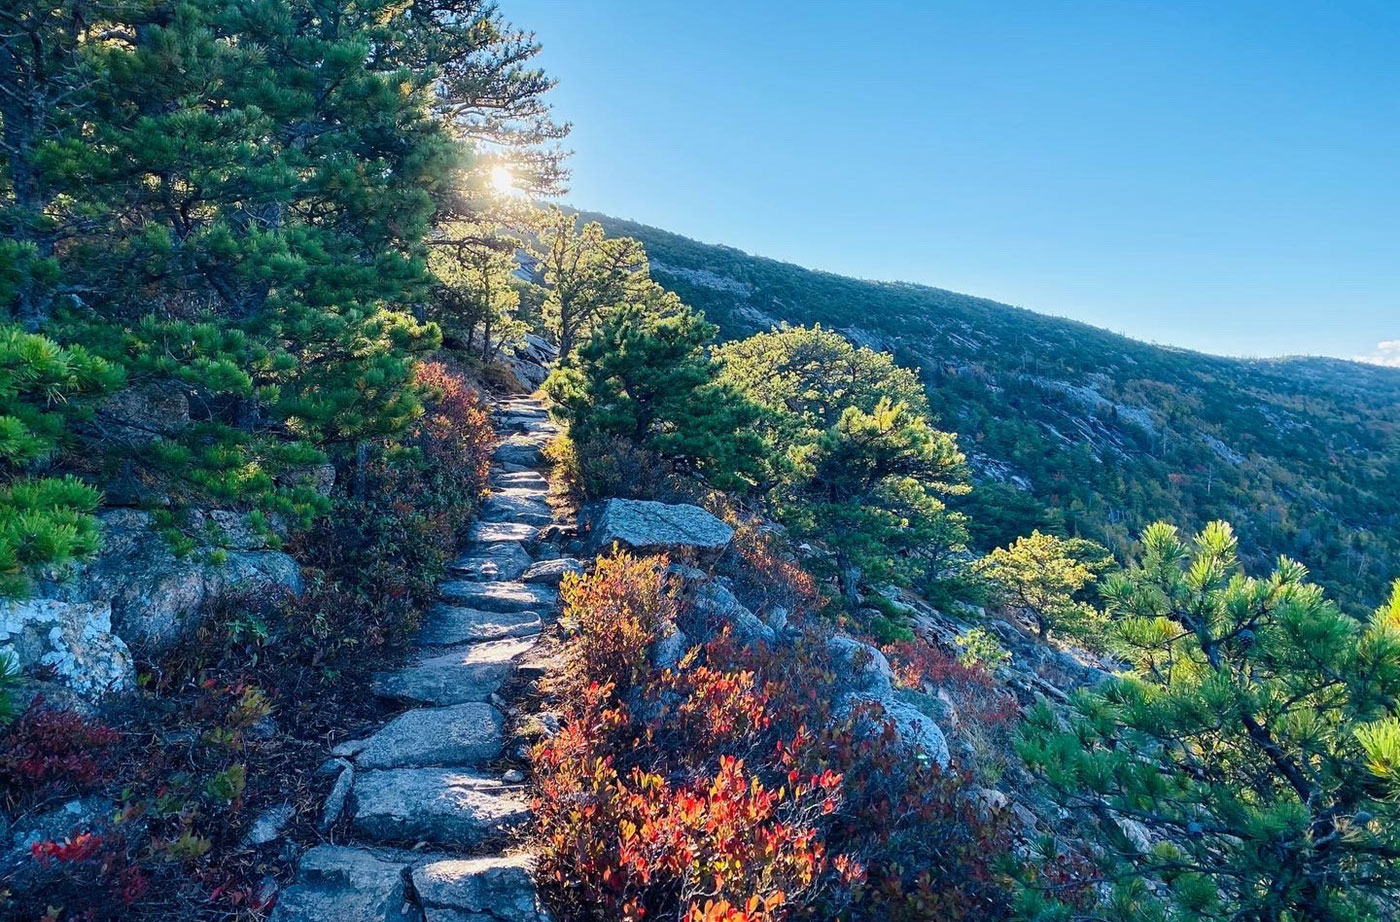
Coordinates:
x,y
1098,432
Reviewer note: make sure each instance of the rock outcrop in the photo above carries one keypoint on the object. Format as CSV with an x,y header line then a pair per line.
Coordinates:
x,y
157,596
649,527
70,641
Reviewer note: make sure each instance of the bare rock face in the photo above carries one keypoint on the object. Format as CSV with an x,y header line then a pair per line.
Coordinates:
x,y
714,600
347,885
72,641
916,731
156,596
649,527
529,361
495,889
146,412
860,668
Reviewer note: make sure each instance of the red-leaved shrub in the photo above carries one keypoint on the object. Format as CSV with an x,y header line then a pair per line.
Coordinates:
x,y
918,664
725,790
50,751
381,551
617,611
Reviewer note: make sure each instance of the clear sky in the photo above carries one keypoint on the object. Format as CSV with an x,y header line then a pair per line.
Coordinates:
x,y
1218,175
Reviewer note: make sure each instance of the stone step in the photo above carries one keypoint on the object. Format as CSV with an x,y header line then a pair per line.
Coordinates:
x,y
551,572
463,734
470,673
527,479
441,806
521,408
347,885
465,889
512,506
447,625
530,493
519,449
491,532
503,560
541,428
499,595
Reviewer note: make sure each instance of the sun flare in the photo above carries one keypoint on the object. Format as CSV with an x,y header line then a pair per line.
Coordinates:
x,y
503,179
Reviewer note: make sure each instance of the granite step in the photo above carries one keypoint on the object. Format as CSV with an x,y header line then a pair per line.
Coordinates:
x,y
519,449
439,806
461,735
494,532
466,889
551,572
347,885
447,625
502,560
526,479
497,595
457,676
516,506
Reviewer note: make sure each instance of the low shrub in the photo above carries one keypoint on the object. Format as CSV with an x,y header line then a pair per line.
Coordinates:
x,y
378,556
48,751
725,790
91,877
617,610
921,665
765,574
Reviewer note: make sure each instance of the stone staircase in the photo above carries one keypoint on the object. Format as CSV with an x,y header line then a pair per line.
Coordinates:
x,y
429,821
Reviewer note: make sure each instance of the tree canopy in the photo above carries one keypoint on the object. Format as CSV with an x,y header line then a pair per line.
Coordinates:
x,y
1255,744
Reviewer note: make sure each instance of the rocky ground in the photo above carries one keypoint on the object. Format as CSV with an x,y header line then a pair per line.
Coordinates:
x,y
421,822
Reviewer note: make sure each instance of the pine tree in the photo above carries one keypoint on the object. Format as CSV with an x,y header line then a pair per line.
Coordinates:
x,y
1040,575
476,299
244,192
873,486
586,274
1255,745
854,458
646,375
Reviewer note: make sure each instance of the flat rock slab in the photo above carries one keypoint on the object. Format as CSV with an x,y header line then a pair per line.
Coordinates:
x,y
471,673
520,422
499,596
503,560
463,734
489,532
521,408
345,884
529,480
551,572
516,505
519,449
446,625
455,890
649,527
437,805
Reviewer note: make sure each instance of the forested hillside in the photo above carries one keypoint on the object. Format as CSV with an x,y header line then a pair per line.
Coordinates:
x,y
1098,433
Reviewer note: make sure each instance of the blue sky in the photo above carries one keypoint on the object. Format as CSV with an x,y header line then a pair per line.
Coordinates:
x,y
1223,176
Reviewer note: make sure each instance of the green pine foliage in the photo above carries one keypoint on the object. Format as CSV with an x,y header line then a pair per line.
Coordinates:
x,y
586,274
646,376
1041,575
854,457
1252,748
45,521
236,202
